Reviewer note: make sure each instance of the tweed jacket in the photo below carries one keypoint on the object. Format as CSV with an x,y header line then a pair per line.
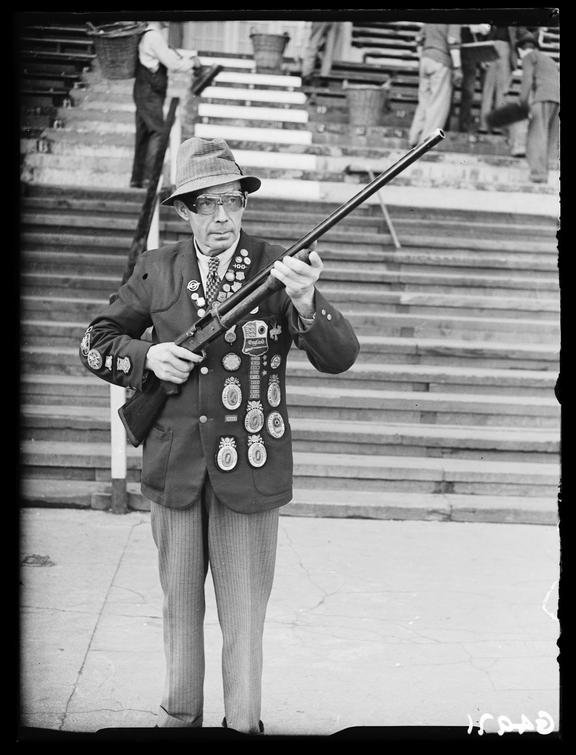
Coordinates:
x,y
230,418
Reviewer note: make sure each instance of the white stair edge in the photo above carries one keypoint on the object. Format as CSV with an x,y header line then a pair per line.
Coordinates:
x,y
256,79
245,133
256,95
248,112
262,159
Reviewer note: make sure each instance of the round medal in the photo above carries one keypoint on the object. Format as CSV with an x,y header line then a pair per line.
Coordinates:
x,y
229,275
231,362
230,335
243,252
227,455
275,361
256,451
94,359
193,285
275,425
232,394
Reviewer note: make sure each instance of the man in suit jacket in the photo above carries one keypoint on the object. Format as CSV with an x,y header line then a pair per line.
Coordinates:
x,y
218,463
540,90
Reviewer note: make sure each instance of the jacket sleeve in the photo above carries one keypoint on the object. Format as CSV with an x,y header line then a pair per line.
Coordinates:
x,y
329,340
112,347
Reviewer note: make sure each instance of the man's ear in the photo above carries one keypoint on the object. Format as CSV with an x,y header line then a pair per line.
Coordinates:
x,y
181,209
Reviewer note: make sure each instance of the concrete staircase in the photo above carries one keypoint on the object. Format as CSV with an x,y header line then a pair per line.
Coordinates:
x,y
450,411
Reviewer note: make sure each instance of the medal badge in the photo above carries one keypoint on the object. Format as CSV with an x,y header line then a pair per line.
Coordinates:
x,y
274,394
85,343
275,425
231,361
232,394
255,338
256,451
275,331
275,362
94,359
230,335
123,364
254,419
227,455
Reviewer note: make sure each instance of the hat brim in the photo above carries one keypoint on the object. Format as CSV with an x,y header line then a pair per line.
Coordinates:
x,y
249,184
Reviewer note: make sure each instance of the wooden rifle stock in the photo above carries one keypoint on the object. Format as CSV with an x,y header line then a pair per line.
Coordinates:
x,y
139,413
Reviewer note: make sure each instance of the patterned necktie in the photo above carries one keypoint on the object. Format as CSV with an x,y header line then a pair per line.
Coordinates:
x,y
212,280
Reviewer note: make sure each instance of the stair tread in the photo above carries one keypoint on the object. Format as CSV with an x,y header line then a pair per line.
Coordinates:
x,y
342,462
50,487
462,433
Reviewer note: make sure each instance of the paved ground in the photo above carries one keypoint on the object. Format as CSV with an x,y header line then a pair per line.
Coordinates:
x,y
371,624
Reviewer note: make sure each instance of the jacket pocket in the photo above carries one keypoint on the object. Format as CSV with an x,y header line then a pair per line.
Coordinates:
x,y
155,458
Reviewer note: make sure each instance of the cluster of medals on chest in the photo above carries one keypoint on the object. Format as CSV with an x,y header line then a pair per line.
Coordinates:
x,y
254,333
232,282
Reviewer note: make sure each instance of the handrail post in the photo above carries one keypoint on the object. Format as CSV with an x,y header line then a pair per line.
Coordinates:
x,y
118,462
146,236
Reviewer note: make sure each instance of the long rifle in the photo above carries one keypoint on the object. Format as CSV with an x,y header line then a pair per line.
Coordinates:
x,y
139,413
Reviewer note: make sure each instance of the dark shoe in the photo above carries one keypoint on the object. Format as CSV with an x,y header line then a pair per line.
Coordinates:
x,y
260,725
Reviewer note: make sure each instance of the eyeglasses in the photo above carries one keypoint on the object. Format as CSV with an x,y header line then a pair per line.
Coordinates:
x,y
207,204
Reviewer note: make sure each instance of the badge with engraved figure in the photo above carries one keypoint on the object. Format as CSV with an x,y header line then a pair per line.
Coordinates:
x,y
227,455
274,393
256,451
254,419
94,359
232,394
275,425
275,362
85,343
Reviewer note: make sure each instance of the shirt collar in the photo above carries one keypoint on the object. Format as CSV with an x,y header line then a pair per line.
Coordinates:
x,y
223,258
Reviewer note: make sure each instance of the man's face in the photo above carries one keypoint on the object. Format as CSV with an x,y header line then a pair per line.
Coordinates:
x,y
214,233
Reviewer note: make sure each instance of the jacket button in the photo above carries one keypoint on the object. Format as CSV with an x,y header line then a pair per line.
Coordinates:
x,y
204,370
203,418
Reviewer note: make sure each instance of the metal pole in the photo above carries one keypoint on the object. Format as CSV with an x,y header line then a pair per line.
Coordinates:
x,y
385,212
118,451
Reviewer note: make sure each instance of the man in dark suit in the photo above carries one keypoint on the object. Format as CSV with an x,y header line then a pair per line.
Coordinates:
x,y
218,463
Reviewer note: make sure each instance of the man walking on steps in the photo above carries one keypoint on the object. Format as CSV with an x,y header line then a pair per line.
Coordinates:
x,y
217,466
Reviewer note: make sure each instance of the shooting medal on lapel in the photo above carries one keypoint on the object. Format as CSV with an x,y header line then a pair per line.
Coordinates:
x,y
274,394
254,419
232,394
275,425
256,451
227,455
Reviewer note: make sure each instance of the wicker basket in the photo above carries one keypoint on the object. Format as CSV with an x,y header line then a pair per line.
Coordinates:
x,y
366,105
116,47
269,51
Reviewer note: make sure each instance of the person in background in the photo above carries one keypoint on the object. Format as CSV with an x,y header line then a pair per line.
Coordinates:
x,y
498,76
439,46
470,69
155,59
540,90
323,36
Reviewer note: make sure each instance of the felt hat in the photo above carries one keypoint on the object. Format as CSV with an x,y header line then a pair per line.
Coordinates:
x,y
202,163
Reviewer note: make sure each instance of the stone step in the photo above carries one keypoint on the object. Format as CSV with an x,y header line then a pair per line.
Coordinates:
x,y
426,378
332,503
473,222
339,403
92,424
76,282
91,461
485,320
373,348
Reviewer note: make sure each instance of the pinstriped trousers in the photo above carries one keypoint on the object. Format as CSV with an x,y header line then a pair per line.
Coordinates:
x,y
241,552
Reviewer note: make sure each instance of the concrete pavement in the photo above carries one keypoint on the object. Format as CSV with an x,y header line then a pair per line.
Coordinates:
x,y
371,623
